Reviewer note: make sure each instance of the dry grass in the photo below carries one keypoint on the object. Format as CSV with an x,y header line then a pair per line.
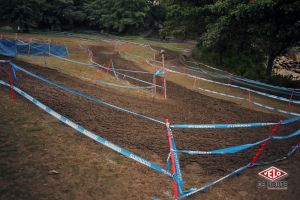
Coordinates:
x,y
33,143
137,54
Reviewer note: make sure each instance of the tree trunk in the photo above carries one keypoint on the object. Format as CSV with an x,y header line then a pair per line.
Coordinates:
x,y
271,59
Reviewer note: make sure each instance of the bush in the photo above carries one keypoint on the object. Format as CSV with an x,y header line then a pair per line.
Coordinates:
x,y
250,65
245,65
6,29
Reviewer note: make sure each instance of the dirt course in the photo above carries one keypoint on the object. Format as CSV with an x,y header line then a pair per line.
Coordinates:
x,y
149,139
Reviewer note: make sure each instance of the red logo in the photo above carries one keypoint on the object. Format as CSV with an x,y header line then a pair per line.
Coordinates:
x,y
273,174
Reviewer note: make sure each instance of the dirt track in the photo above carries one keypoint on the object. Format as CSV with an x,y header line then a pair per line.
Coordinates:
x,y
148,139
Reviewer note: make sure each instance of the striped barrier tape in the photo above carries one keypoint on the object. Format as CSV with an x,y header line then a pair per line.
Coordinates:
x,y
267,85
248,83
265,88
123,86
95,65
245,79
210,67
239,80
289,154
236,77
235,86
84,95
175,159
99,101
204,188
236,149
125,75
139,159
221,126
134,71
275,109
222,94
133,78
231,85
89,133
224,126
253,102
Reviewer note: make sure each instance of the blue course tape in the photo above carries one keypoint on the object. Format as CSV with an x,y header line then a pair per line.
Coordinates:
x,y
114,71
236,149
243,79
74,61
204,188
235,86
159,72
139,80
223,126
222,94
95,65
266,85
289,154
268,89
123,86
84,95
254,102
89,133
177,164
134,71
118,73
229,150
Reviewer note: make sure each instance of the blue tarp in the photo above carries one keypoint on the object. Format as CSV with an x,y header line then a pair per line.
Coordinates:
x,y
13,47
8,48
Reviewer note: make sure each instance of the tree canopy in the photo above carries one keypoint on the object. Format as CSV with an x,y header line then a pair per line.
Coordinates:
x,y
235,33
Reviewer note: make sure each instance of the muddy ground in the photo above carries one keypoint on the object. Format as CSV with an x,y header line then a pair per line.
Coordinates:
x,y
149,139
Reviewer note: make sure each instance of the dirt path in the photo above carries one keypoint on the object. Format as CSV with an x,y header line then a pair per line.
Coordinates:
x,y
148,139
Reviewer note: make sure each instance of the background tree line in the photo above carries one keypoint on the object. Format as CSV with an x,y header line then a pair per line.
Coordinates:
x,y
246,35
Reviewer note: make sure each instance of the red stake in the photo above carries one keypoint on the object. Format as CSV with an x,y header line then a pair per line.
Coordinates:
x,y
172,160
108,67
194,83
99,73
11,83
163,85
263,145
249,95
154,82
165,88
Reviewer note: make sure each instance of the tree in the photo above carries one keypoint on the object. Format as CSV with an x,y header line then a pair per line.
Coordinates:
x,y
120,16
155,16
25,13
185,18
274,26
270,26
57,13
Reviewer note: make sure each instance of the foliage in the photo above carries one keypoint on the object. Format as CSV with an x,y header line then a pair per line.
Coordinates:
x,y
230,33
238,28
117,15
25,14
185,18
248,65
